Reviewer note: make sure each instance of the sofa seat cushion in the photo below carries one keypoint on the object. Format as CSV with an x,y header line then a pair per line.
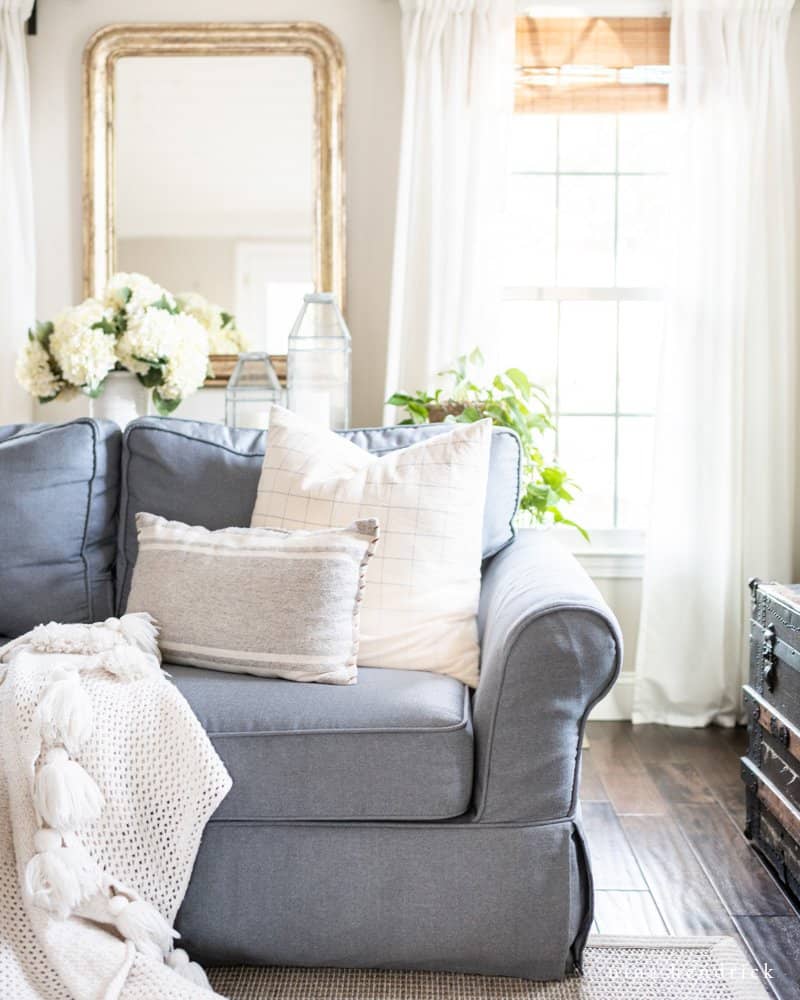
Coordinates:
x,y
395,746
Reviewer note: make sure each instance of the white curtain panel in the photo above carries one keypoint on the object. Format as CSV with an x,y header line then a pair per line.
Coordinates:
x,y
724,475
458,98
17,254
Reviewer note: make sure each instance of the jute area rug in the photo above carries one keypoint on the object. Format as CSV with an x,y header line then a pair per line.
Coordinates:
x,y
710,968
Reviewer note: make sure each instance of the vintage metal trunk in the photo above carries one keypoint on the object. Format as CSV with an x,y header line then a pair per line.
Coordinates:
x,y
771,769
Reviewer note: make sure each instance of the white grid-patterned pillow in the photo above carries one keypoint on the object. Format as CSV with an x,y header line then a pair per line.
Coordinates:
x,y
423,585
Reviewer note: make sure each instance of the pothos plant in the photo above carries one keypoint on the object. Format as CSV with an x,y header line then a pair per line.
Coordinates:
x,y
511,400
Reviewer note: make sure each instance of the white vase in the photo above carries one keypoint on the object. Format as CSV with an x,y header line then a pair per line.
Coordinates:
x,y
122,400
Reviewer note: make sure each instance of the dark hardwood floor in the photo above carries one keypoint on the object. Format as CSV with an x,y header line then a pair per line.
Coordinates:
x,y
664,810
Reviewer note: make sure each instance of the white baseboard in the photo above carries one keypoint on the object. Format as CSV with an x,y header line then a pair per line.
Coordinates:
x,y
618,703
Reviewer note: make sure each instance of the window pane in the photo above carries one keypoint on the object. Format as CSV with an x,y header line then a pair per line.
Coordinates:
x,y
643,143
527,340
640,240
640,326
530,231
586,231
533,142
587,143
635,467
586,450
587,357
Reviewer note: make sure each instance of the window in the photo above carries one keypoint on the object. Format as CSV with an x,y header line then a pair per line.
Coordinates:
x,y
583,247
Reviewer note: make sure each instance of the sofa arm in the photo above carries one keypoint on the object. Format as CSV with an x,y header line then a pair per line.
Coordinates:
x,y
550,649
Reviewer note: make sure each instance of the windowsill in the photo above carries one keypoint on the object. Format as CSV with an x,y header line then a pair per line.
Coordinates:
x,y
612,553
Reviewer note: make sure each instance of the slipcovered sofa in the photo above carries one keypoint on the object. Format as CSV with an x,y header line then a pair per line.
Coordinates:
x,y
400,822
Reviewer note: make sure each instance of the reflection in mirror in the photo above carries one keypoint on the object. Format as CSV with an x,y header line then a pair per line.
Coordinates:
x,y
215,185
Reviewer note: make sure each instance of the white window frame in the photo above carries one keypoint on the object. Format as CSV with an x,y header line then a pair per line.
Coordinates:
x,y
614,552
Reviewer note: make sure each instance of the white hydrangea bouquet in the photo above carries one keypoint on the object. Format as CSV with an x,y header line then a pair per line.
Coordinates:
x,y
138,327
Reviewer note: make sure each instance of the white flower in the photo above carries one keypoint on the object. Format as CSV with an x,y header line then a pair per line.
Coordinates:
x,y
84,355
176,343
222,339
187,364
34,373
133,293
227,340
208,315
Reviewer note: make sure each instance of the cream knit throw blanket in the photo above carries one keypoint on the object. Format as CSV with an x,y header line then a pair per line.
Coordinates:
x,y
106,783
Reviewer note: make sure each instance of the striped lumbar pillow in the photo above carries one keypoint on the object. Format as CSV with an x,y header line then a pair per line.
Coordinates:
x,y
255,600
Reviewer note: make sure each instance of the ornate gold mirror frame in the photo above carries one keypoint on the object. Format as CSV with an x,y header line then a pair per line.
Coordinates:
x,y
116,41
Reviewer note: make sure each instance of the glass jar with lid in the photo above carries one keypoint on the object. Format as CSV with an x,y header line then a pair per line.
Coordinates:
x,y
318,363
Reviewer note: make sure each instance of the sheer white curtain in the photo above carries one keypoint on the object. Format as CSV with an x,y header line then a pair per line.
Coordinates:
x,y
458,97
17,259
725,444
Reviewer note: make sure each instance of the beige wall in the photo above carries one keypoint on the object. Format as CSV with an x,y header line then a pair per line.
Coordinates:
x,y
369,31
184,264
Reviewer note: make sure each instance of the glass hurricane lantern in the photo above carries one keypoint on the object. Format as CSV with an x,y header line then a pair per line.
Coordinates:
x,y
252,389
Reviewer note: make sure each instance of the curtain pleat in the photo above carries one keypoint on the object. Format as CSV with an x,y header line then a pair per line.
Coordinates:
x,y
458,96
724,480
17,251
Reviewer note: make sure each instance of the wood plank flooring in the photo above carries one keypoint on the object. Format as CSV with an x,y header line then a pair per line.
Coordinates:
x,y
663,810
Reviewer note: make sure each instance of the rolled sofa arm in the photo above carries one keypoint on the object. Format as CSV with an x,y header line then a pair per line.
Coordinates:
x,y
550,649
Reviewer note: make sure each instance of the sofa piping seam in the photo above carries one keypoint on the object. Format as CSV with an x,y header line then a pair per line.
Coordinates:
x,y
453,728
472,825
87,583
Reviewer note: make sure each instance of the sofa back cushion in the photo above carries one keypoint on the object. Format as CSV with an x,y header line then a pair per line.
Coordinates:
x,y
59,490
208,474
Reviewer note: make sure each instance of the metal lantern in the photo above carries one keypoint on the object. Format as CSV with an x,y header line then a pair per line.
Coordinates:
x,y
252,389
318,363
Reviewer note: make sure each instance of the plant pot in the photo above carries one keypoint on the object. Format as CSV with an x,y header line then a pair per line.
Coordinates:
x,y
438,412
122,400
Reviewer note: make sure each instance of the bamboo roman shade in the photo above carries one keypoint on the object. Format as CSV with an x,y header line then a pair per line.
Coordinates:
x,y
586,65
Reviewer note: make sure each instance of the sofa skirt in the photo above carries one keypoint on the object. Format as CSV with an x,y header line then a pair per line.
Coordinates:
x,y
459,896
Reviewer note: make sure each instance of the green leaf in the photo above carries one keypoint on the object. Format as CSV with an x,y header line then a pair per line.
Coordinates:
x,y
228,319
476,357
520,380
554,476
97,391
151,378
469,415
165,406
399,399
163,303
126,294
41,332
159,362
106,326
418,411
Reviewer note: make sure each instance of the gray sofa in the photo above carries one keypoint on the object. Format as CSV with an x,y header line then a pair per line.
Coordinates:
x,y
400,822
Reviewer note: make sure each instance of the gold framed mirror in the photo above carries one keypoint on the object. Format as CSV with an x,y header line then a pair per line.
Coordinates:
x,y
199,135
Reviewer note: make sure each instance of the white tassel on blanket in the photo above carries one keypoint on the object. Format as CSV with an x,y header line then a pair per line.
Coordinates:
x,y
63,793
180,962
129,663
141,923
139,629
64,713
59,878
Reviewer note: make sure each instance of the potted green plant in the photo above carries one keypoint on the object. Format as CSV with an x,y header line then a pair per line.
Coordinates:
x,y
512,400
